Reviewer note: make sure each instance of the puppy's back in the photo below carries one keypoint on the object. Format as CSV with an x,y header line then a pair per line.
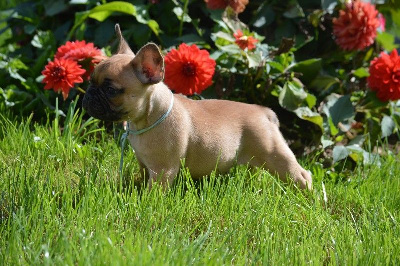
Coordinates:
x,y
226,111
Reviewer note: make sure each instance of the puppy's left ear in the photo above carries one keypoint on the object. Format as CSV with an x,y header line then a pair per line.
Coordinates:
x,y
148,64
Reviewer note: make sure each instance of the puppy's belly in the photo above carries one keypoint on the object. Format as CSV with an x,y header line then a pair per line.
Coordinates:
x,y
211,153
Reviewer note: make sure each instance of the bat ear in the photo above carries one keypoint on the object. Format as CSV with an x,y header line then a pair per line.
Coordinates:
x,y
123,47
148,64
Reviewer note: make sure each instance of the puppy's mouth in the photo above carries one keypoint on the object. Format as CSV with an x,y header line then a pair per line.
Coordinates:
x,y
98,105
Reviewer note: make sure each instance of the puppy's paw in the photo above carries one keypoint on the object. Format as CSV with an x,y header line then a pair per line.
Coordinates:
x,y
307,179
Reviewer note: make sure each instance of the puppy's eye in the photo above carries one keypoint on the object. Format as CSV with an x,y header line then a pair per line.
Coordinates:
x,y
111,91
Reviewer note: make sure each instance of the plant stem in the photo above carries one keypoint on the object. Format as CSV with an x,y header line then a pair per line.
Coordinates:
x,y
80,89
182,17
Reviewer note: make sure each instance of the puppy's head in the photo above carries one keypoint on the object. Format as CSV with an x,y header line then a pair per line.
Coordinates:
x,y
119,85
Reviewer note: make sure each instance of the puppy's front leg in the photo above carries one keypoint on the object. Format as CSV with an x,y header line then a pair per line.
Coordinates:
x,y
163,177
144,172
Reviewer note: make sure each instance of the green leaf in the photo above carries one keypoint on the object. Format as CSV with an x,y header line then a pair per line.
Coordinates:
x,y
232,48
101,12
358,140
326,142
387,41
253,59
339,109
142,14
340,153
294,11
291,97
368,55
179,13
309,68
356,152
322,83
276,65
153,25
332,128
315,17
224,35
265,16
395,12
55,7
311,100
42,39
387,126
307,114
14,74
80,17
361,72
29,29
101,15
328,5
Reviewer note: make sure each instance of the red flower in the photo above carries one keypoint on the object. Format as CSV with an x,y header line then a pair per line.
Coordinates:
x,y
85,53
78,50
61,75
385,76
244,41
237,5
188,70
356,27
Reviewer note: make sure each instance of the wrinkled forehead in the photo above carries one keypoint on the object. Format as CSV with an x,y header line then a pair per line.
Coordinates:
x,y
114,68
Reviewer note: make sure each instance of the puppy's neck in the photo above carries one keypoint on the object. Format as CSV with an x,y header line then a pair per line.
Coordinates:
x,y
157,103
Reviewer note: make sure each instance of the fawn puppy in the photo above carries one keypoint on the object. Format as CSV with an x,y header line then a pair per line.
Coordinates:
x,y
165,128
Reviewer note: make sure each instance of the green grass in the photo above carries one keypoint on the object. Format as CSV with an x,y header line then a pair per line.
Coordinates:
x,y
61,202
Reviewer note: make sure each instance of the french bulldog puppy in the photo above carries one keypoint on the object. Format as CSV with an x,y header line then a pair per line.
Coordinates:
x,y
207,134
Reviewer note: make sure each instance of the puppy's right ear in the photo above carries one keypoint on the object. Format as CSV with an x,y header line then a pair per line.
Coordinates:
x,y
123,47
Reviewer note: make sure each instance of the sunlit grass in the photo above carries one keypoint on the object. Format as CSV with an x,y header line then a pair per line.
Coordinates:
x,y
62,202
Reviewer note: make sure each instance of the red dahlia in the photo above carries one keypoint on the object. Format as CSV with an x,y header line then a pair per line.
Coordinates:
x,y
244,41
384,76
188,70
85,53
61,75
356,26
78,50
237,5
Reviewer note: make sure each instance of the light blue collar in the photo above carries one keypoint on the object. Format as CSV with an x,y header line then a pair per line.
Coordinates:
x,y
141,131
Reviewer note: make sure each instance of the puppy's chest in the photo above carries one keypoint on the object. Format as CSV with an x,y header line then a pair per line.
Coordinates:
x,y
147,146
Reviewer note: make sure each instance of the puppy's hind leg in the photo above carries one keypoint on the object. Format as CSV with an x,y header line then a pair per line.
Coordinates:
x,y
275,155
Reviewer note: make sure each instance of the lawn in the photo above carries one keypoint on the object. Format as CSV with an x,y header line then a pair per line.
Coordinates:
x,y
62,202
